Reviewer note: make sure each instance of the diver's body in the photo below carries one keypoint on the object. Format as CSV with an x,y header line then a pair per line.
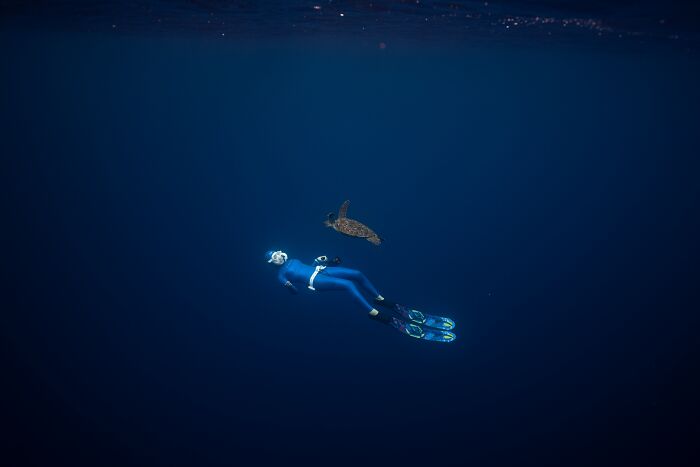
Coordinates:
x,y
295,274
326,275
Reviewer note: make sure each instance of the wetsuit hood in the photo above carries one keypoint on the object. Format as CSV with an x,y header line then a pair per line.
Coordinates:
x,y
277,257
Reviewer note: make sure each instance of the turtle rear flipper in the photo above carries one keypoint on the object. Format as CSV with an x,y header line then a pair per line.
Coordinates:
x,y
375,239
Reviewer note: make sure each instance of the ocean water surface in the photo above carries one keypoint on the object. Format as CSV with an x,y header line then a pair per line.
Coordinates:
x,y
532,167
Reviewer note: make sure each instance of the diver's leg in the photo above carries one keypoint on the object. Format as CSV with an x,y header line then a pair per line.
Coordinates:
x,y
323,282
355,276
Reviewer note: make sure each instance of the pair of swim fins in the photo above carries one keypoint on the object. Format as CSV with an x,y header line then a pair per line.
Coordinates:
x,y
420,325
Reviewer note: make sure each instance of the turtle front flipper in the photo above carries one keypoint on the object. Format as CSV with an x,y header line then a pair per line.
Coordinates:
x,y
343,211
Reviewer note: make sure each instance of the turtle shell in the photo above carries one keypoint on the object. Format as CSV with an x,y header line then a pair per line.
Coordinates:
x,y
353,228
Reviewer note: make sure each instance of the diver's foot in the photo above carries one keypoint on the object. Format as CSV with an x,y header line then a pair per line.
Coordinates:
x,y
410,314
416,316
414,331
406,312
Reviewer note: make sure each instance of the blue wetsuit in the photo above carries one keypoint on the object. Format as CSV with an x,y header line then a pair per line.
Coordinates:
x,y
324,276
295,273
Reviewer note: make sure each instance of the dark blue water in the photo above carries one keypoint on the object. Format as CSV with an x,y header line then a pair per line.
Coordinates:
x,y
542,190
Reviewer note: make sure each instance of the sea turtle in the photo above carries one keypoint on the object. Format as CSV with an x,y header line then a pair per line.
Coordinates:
x,y
351,227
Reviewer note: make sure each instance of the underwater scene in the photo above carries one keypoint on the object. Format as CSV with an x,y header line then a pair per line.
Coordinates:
x,y
343,232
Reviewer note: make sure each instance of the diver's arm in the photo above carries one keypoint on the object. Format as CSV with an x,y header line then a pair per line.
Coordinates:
x,y
285,282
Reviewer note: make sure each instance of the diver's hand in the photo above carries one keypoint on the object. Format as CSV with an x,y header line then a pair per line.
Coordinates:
x,y
324,261
291,287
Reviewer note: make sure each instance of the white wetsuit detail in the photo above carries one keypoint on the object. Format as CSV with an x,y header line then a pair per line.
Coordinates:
x,y
317,269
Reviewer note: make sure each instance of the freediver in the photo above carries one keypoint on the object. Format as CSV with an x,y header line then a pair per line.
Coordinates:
x,y
325,275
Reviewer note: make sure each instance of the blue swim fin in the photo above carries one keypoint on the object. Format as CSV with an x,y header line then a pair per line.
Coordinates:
x,y
420,332
417,317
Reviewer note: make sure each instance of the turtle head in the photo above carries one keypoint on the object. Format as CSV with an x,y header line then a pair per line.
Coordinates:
x,y
329,220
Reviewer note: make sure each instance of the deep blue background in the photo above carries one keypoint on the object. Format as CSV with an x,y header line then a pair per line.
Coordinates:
x,y
543,197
